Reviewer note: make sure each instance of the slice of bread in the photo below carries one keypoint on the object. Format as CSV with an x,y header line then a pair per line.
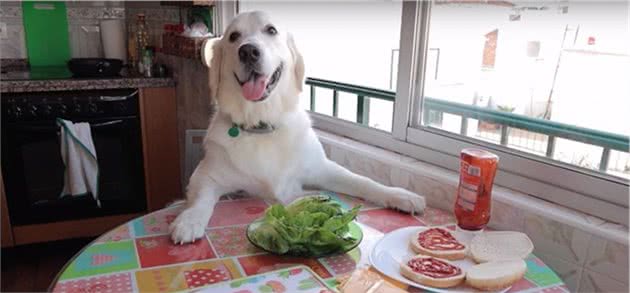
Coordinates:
x,y
450,254
426,280
495,275
491,246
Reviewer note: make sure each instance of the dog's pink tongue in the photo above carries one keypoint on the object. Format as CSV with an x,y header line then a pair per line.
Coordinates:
x,y
253,90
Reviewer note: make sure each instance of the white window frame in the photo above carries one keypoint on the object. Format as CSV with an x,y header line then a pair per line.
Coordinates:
x,y
593,193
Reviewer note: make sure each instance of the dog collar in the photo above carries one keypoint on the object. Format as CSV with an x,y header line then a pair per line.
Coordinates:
x,y
260,128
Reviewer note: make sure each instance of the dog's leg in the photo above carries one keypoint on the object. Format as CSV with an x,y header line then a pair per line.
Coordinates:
x,y
330,176
202,194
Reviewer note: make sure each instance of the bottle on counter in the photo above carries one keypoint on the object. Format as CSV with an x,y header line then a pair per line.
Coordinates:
x,y
147,61
142,41
474,194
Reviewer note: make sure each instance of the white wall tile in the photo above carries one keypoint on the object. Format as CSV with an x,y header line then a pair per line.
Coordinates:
x,y
506,217
557,239
570,273
609,258
596,282
437,194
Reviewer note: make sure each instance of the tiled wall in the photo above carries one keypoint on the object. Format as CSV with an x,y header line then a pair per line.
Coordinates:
x,y
589,254
83,24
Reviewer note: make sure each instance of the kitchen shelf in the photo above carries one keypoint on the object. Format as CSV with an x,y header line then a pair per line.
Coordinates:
x,y
187,3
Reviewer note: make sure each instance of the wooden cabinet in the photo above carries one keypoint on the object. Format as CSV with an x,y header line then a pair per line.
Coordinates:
x,y
7,232
158,109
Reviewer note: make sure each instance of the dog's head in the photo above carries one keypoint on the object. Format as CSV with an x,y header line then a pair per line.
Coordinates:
x,y
256,72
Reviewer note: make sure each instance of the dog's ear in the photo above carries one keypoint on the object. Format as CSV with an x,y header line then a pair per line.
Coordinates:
x,y
298,63
211,55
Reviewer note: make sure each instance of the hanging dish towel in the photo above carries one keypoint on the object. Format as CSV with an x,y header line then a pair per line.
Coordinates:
x,y
79,157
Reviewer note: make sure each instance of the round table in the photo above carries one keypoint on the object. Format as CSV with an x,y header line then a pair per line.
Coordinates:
x,y
139,255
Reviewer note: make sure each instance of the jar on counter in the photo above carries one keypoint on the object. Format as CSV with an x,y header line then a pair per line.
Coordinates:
x,y
474,194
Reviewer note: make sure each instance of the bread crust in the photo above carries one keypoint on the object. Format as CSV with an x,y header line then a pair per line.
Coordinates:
x,y
497,283
408,273
443,254
494,285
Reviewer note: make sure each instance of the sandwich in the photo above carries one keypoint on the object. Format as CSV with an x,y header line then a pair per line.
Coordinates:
x,y
438,242
432,271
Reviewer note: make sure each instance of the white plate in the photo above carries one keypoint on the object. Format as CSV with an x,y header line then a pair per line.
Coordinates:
x,y
393,249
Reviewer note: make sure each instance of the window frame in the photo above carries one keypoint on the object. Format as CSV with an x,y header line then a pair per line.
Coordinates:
x,y
593,193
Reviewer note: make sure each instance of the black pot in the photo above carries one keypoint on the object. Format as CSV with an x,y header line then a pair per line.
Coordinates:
x,y
95,67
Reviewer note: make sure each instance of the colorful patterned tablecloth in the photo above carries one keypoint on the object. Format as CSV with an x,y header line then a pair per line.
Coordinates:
x,y
139,255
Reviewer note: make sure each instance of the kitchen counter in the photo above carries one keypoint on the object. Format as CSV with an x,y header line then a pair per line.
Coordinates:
x,y
30,81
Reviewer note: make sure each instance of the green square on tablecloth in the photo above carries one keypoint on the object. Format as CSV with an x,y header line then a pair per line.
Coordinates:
x,y
102,259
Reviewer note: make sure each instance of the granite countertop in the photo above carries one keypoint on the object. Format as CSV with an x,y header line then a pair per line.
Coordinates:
x,y
31,81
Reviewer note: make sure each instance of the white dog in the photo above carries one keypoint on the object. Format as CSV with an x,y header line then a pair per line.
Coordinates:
x,y
260,140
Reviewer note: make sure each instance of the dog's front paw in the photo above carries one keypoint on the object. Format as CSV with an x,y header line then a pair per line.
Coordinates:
x,y
189,225
405,200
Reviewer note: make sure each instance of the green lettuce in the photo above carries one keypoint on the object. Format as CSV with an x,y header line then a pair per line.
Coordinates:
x,y
313,225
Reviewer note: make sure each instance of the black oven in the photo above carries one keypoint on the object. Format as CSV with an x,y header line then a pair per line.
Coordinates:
x,y
32,167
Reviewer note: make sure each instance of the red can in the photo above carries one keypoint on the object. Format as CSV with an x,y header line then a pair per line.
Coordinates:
x,y
474,194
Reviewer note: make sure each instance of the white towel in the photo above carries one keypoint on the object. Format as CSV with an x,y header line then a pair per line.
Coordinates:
x,y
79,157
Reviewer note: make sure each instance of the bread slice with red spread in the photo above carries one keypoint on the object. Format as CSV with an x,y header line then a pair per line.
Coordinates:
x,y
432,271
438,242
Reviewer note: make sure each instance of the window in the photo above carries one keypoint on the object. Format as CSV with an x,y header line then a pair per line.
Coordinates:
x,y
542,84
344,44
546,78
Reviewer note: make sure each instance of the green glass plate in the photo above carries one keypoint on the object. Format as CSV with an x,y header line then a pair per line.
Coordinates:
x,y
354,231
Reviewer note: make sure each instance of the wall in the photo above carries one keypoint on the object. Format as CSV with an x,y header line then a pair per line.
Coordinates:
x,y
194,106
83,24
83,21
588,253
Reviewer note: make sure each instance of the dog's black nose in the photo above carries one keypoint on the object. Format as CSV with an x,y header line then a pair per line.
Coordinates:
x,y
248,53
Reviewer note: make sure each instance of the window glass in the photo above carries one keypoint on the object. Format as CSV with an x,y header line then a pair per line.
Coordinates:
x,y
354,43
546,78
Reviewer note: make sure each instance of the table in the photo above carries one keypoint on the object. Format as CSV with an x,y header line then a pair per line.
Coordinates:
x,y
139,255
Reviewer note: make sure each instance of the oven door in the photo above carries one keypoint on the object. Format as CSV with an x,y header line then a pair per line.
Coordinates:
x,y
34,171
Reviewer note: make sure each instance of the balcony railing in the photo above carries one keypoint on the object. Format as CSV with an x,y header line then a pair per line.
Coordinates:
x,y
505,120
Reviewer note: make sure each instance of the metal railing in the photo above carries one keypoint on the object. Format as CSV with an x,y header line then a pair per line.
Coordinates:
x,y
505,120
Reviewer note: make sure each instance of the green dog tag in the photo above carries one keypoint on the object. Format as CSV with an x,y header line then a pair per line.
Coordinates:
x,y
233,131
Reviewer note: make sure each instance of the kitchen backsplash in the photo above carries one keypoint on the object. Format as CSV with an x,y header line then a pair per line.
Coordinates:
x,y
83,22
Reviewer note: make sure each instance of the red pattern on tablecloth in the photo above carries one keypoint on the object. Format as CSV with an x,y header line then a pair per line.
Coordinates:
x,y
231,241
100,259
395,219
340,264
160,250
201,277
109,283
237,212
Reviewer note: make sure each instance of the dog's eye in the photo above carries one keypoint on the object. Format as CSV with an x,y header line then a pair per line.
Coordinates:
x,y
234,36
272,30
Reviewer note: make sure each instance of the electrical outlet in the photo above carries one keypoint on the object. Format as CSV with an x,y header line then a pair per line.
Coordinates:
x,y
3,31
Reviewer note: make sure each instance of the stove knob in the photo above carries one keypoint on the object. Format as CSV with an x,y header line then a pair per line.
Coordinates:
x,y
62,109
77,109
32,109
17,112
11,112
45,110
92,108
